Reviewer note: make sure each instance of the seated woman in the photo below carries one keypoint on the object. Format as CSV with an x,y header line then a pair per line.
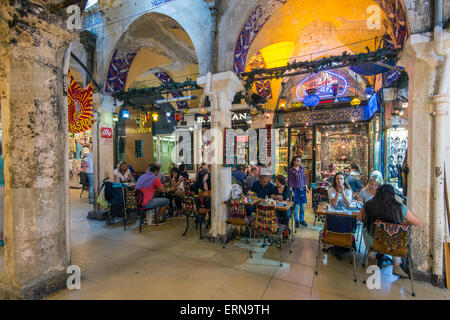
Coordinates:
x,y
281,193
375,181
203,183
176,186
122,173
384,207
340,194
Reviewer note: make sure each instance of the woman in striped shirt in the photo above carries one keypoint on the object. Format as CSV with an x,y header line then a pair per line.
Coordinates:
x,y
299,186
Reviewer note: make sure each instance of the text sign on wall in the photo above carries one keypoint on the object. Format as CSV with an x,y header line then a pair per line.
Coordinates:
x,y
107,133
156,3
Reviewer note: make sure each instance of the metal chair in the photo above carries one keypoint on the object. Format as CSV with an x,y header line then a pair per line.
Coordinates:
x,y
267,223
391,239
190,209
84,181
337,231
318,195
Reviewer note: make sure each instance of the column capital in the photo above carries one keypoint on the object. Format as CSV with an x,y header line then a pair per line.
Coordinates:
x,y
225,81
441,104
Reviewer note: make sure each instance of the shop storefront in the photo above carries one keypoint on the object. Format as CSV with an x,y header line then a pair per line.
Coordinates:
x,y
327,118
80,144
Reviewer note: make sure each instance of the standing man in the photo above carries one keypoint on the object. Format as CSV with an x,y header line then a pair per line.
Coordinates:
x,y
90,174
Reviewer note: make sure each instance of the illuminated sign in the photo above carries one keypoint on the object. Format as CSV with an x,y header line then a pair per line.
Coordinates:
x,y
323,83
139,130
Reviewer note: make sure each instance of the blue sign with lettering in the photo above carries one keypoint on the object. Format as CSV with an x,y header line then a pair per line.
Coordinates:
x,y
159,2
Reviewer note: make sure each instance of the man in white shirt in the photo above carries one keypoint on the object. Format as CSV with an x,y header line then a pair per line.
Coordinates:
x,y
90,174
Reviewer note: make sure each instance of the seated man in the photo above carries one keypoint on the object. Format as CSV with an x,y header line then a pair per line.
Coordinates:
x,y
263,188
252,178
239,175
149,183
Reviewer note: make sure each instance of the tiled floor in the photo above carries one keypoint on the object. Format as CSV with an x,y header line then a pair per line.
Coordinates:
x,y
161,264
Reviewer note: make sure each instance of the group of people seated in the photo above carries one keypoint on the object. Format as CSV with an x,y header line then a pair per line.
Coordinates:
x,y
161,191
379,203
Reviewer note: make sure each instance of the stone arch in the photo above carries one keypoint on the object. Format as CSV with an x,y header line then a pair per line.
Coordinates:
x,y
191,16
394,9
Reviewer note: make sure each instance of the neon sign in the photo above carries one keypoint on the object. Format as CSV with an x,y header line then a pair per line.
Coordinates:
x,y
323,84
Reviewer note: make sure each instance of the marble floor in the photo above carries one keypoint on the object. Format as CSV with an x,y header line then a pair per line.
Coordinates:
x,y
161,264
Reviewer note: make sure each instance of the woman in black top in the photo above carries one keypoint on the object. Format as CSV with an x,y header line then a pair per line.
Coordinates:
x,y
281,193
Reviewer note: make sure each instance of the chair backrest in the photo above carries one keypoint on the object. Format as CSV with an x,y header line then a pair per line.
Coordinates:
x,y
236,212
266,219
189,203
338,230
390,238
84,178
139,198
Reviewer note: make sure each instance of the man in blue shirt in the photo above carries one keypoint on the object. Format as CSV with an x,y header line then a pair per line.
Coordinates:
x,y
263,188
239,175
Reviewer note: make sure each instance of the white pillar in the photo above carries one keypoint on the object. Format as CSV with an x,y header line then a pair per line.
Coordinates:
x,y
222,89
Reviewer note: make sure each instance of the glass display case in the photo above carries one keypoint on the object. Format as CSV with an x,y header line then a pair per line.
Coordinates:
x,y
282,154
397,144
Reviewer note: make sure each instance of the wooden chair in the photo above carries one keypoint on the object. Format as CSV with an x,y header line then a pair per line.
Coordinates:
x,y
266,223
337,232
237,217
391,239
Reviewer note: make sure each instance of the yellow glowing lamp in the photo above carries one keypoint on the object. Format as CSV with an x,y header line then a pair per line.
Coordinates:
x,y
355,101
186,111
283,103
155,117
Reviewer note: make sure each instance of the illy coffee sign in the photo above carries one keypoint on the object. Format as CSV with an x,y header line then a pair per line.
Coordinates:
x,y
107,133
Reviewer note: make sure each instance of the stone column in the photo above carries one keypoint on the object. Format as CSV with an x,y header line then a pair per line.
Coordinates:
x,y
35,144
223,88
424,76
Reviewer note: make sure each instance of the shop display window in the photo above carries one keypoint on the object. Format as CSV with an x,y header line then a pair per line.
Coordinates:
x,y
397,144
342,145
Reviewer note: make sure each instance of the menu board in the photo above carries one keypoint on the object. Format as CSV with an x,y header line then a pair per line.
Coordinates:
x,y
252,147
263,146
229,147
185,150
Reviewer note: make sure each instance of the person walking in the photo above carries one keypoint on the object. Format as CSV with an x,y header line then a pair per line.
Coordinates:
x,y
299,186
90,174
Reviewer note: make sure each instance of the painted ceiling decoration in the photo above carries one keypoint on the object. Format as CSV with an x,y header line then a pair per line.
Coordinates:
x,y
262,86
167,80
118,72
394,10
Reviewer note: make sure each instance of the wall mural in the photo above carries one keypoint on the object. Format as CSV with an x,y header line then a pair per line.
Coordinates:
x,y
166,79
394,10
262,86
118,72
